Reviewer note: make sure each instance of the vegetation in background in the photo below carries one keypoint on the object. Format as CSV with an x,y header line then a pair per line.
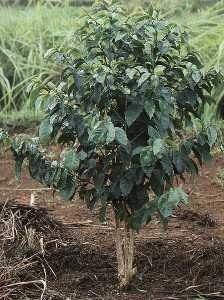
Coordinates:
x,y
25,36
50,3
178,7
23,119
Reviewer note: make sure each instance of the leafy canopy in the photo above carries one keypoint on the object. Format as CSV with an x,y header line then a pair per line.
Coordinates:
x,y
127,94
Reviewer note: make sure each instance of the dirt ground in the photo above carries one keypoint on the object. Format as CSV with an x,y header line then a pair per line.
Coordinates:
x,y
184,262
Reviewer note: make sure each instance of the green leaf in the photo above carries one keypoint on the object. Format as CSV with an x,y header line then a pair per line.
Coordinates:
x,y
143,78
67,192
70,159
168,201
153,133
195,59
125,186
110,132
179,193
132,113
39,103
100,77
212,135
50,105
178,162
167,166
196,76
204,152
45,131
119,36
158,146
97,133
149,108
82,155
147,157
157,181
120,136
131,73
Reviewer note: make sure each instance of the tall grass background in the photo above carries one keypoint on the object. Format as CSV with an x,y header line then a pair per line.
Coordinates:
x,y
26,32
25,35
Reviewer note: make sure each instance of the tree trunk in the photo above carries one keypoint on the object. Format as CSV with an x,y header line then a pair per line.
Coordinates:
x,y
125,253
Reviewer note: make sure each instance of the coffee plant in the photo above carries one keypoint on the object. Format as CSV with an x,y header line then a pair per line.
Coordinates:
x,y
123,111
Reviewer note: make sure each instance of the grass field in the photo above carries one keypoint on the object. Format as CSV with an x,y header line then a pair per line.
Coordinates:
x,y
25,35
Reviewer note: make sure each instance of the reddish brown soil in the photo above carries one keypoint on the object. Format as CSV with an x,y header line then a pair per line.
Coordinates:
x,y
185,260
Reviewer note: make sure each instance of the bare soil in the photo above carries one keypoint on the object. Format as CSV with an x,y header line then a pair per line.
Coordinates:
x,y
182,262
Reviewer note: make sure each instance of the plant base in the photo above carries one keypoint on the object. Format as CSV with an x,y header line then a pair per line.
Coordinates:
x,y
124,239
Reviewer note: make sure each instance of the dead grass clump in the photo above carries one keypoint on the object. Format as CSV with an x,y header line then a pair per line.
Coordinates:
x,y
27,230
26,234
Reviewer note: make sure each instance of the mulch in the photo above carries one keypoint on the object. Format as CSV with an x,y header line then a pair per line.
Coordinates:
x,y
42,258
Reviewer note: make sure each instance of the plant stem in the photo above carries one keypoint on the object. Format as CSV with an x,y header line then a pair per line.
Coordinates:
x,y
125,253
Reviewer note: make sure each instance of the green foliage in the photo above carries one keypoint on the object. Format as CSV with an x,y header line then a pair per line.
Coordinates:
x,y
120,109
50,173
204,21
178,7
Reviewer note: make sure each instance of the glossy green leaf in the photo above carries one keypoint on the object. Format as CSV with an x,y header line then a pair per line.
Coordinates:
x,y
212,135
120,136
67,192
168,201
131,73
157,146
45,131
110,133
150,108
143,78
70,159
101,78
147,156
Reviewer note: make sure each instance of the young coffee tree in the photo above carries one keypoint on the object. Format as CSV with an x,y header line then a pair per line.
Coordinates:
x,y
123,112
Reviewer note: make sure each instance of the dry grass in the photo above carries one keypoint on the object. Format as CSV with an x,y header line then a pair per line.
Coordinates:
x,y
25,234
